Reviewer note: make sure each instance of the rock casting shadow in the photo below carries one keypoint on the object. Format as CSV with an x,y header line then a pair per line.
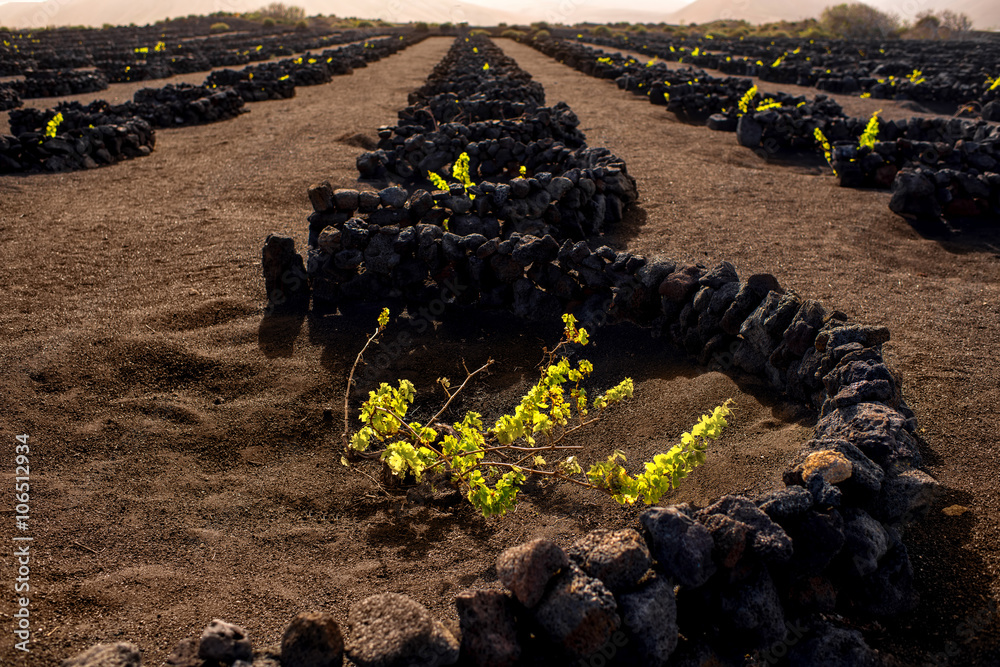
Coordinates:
x,y
277,332
628,229
961,236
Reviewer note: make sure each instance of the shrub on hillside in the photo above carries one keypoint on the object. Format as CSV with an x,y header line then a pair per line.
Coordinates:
x,y
945,25
816,32
279,11
859,21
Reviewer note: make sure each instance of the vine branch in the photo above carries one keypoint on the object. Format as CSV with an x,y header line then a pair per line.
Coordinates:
x,y
345,437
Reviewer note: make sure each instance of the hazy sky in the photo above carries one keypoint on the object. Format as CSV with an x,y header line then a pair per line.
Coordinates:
x,y
514,5
661,6
603,10
558,11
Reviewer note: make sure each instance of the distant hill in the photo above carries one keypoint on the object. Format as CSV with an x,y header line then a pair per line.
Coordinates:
x,y
758,11
592,11
985,14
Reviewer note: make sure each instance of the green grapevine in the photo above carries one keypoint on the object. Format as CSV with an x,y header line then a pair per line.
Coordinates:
x,y
459,171
744,103
827,148
53,126
491,464
870,135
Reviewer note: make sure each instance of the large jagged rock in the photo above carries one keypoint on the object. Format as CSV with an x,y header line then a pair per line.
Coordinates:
x,y
866,542
392,630
768,539
752,610
876,429
649,615
526,569
906,495
762,331
619,558
489,629
185,654
831,646
748,131
863,485
785,504
579,613
313,639
285,279
681,546
914,196
121,654
224,642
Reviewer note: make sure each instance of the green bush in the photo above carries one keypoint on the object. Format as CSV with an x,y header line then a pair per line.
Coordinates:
x,y
52,127
517,35
279,11
859,21
816,32
945,25
220,27
541,34
421,26
268,22
601,31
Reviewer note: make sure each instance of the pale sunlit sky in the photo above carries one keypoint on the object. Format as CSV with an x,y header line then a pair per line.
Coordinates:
x,y
514,11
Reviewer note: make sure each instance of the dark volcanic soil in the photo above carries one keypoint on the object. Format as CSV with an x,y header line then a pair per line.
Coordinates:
x,y
182,467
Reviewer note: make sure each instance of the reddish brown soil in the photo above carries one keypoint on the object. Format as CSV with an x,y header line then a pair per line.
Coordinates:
x,y
182,467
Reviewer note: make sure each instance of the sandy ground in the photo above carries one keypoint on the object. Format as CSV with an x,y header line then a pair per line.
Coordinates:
x,y
181,465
